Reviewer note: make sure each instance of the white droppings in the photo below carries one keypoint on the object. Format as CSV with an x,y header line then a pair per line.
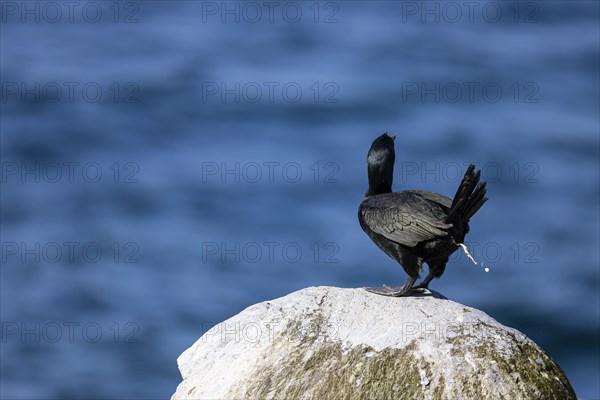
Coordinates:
x,y
467,252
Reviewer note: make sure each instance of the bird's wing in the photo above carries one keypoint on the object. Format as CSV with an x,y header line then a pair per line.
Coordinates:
x,y
432,196
404,217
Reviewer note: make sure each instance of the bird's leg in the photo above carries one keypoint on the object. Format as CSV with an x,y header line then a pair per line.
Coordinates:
x,y
426,281
394,291
436,269
410,281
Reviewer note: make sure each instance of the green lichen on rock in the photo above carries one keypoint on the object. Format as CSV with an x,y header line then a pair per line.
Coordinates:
x,y
359,372
522,365
439,391
537,373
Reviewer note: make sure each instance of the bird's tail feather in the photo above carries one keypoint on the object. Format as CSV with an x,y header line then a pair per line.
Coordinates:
x,y
469,197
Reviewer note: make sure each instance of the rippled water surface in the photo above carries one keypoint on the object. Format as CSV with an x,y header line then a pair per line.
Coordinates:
x,y
167,164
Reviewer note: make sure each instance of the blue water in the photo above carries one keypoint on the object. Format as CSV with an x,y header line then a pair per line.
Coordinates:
x,y
224,161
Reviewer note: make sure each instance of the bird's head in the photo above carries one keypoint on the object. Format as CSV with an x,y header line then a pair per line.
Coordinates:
x,y
380,161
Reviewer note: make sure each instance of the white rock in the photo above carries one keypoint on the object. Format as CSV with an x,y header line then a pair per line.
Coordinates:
x,y
329,343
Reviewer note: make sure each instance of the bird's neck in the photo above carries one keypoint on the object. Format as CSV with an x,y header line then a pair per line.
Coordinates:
x,y
374,191
380,181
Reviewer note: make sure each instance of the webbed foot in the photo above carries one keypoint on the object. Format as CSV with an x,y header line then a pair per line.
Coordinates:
x,y
394,291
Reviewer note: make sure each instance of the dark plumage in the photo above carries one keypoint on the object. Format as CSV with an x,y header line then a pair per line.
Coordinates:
x,y
415,226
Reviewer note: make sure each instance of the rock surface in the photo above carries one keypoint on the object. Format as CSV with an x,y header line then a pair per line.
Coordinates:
x,y
332,343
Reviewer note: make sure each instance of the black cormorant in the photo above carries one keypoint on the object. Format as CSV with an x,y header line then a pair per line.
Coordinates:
x,y
415,226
